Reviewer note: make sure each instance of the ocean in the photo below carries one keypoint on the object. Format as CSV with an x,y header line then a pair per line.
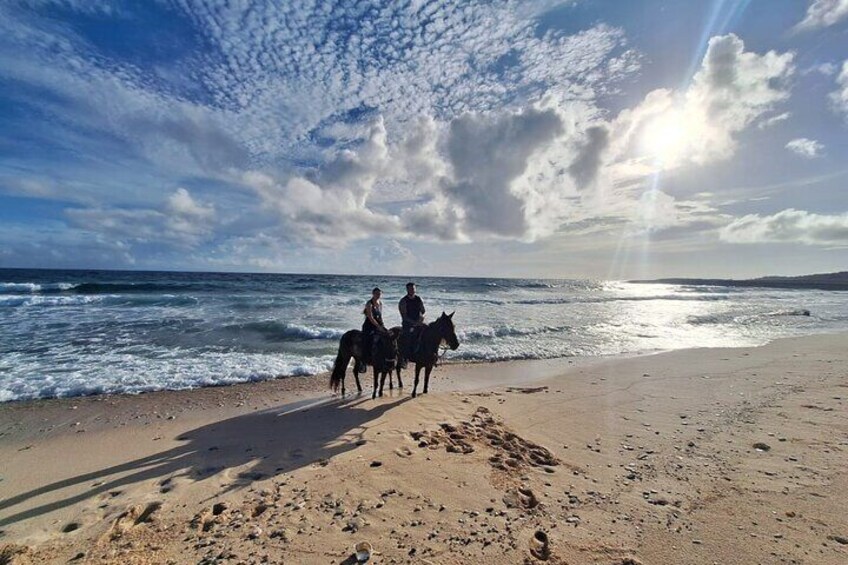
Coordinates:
x,y
71,333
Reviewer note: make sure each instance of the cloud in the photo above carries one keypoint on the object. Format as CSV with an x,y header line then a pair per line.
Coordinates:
x,y
314,126
823,13
590,156
523,173
282,102
328,206
827,69
773,120
731,90
30,187
487,156
437,217
391,256
806,148
788,226
839,98
182,221
181,204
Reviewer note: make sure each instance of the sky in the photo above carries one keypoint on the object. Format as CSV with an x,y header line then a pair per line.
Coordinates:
x,y
565,139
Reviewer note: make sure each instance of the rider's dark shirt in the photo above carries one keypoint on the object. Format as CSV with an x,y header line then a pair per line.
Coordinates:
x,y
377,313
414,307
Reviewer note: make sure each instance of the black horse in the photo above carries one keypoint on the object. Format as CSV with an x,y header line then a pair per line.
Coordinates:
x,y
425,354
383,359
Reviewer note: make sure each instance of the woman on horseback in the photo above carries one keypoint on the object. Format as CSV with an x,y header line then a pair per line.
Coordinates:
x,y
373,326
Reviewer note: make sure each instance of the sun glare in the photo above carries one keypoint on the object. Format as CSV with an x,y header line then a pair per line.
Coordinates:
x,y
665,137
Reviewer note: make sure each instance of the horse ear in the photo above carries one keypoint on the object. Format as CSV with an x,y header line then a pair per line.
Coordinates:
x,y
444,315
451,314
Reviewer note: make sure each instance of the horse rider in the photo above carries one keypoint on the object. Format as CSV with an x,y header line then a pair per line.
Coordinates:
x,y
373,326
412,316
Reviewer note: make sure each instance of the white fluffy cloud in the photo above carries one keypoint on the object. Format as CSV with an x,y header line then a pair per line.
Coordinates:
x,y
488,155
840,96
823,13
328,207
788,226
731,90
806,148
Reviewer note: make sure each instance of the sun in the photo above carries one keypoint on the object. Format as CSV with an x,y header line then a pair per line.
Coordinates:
x,y
665,138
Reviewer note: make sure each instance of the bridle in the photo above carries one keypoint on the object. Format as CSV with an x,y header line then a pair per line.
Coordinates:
x,y
443,345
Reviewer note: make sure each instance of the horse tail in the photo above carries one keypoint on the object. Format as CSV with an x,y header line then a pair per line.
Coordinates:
x,y
342,361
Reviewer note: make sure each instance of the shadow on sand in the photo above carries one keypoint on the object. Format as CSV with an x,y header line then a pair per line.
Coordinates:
x,y
276,441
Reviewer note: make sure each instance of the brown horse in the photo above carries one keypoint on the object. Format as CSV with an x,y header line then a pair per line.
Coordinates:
x,y
384,358
426,353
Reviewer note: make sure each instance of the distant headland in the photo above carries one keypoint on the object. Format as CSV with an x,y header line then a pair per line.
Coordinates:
x,y
822,281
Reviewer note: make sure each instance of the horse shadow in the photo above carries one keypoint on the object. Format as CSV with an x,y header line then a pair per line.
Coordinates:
x,y
275,441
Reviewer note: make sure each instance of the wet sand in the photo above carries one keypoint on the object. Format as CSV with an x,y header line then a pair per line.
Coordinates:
x,y
698,456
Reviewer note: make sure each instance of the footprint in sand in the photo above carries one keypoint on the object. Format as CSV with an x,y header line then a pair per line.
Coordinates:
x,y
133,517
72,527
540,546
403,452
147,514
521,497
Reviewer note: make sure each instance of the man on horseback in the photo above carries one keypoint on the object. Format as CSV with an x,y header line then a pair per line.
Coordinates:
x,y
412,310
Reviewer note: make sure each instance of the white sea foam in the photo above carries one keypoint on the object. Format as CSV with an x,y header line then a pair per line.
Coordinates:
x,y
133,374
135,333
15,288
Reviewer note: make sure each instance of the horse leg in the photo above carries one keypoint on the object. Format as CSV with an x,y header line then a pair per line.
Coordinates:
x,y
400,382
415,384
427,371
383,381
374,392
356,376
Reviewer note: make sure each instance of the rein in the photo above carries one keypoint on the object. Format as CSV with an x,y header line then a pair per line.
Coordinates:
x,y
444,349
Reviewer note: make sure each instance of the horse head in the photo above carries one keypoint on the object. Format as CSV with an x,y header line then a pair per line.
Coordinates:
x,y
447,330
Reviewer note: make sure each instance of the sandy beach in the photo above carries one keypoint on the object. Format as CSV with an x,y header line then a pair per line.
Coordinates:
x,y
697,456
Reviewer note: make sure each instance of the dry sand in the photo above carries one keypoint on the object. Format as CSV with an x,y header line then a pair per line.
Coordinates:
x,y
701,456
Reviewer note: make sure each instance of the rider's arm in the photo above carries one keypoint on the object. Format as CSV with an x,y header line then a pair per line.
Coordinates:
x,y
402,310
423,310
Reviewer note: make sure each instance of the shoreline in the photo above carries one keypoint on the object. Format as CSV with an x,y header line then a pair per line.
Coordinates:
x,y
303,383
645,457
